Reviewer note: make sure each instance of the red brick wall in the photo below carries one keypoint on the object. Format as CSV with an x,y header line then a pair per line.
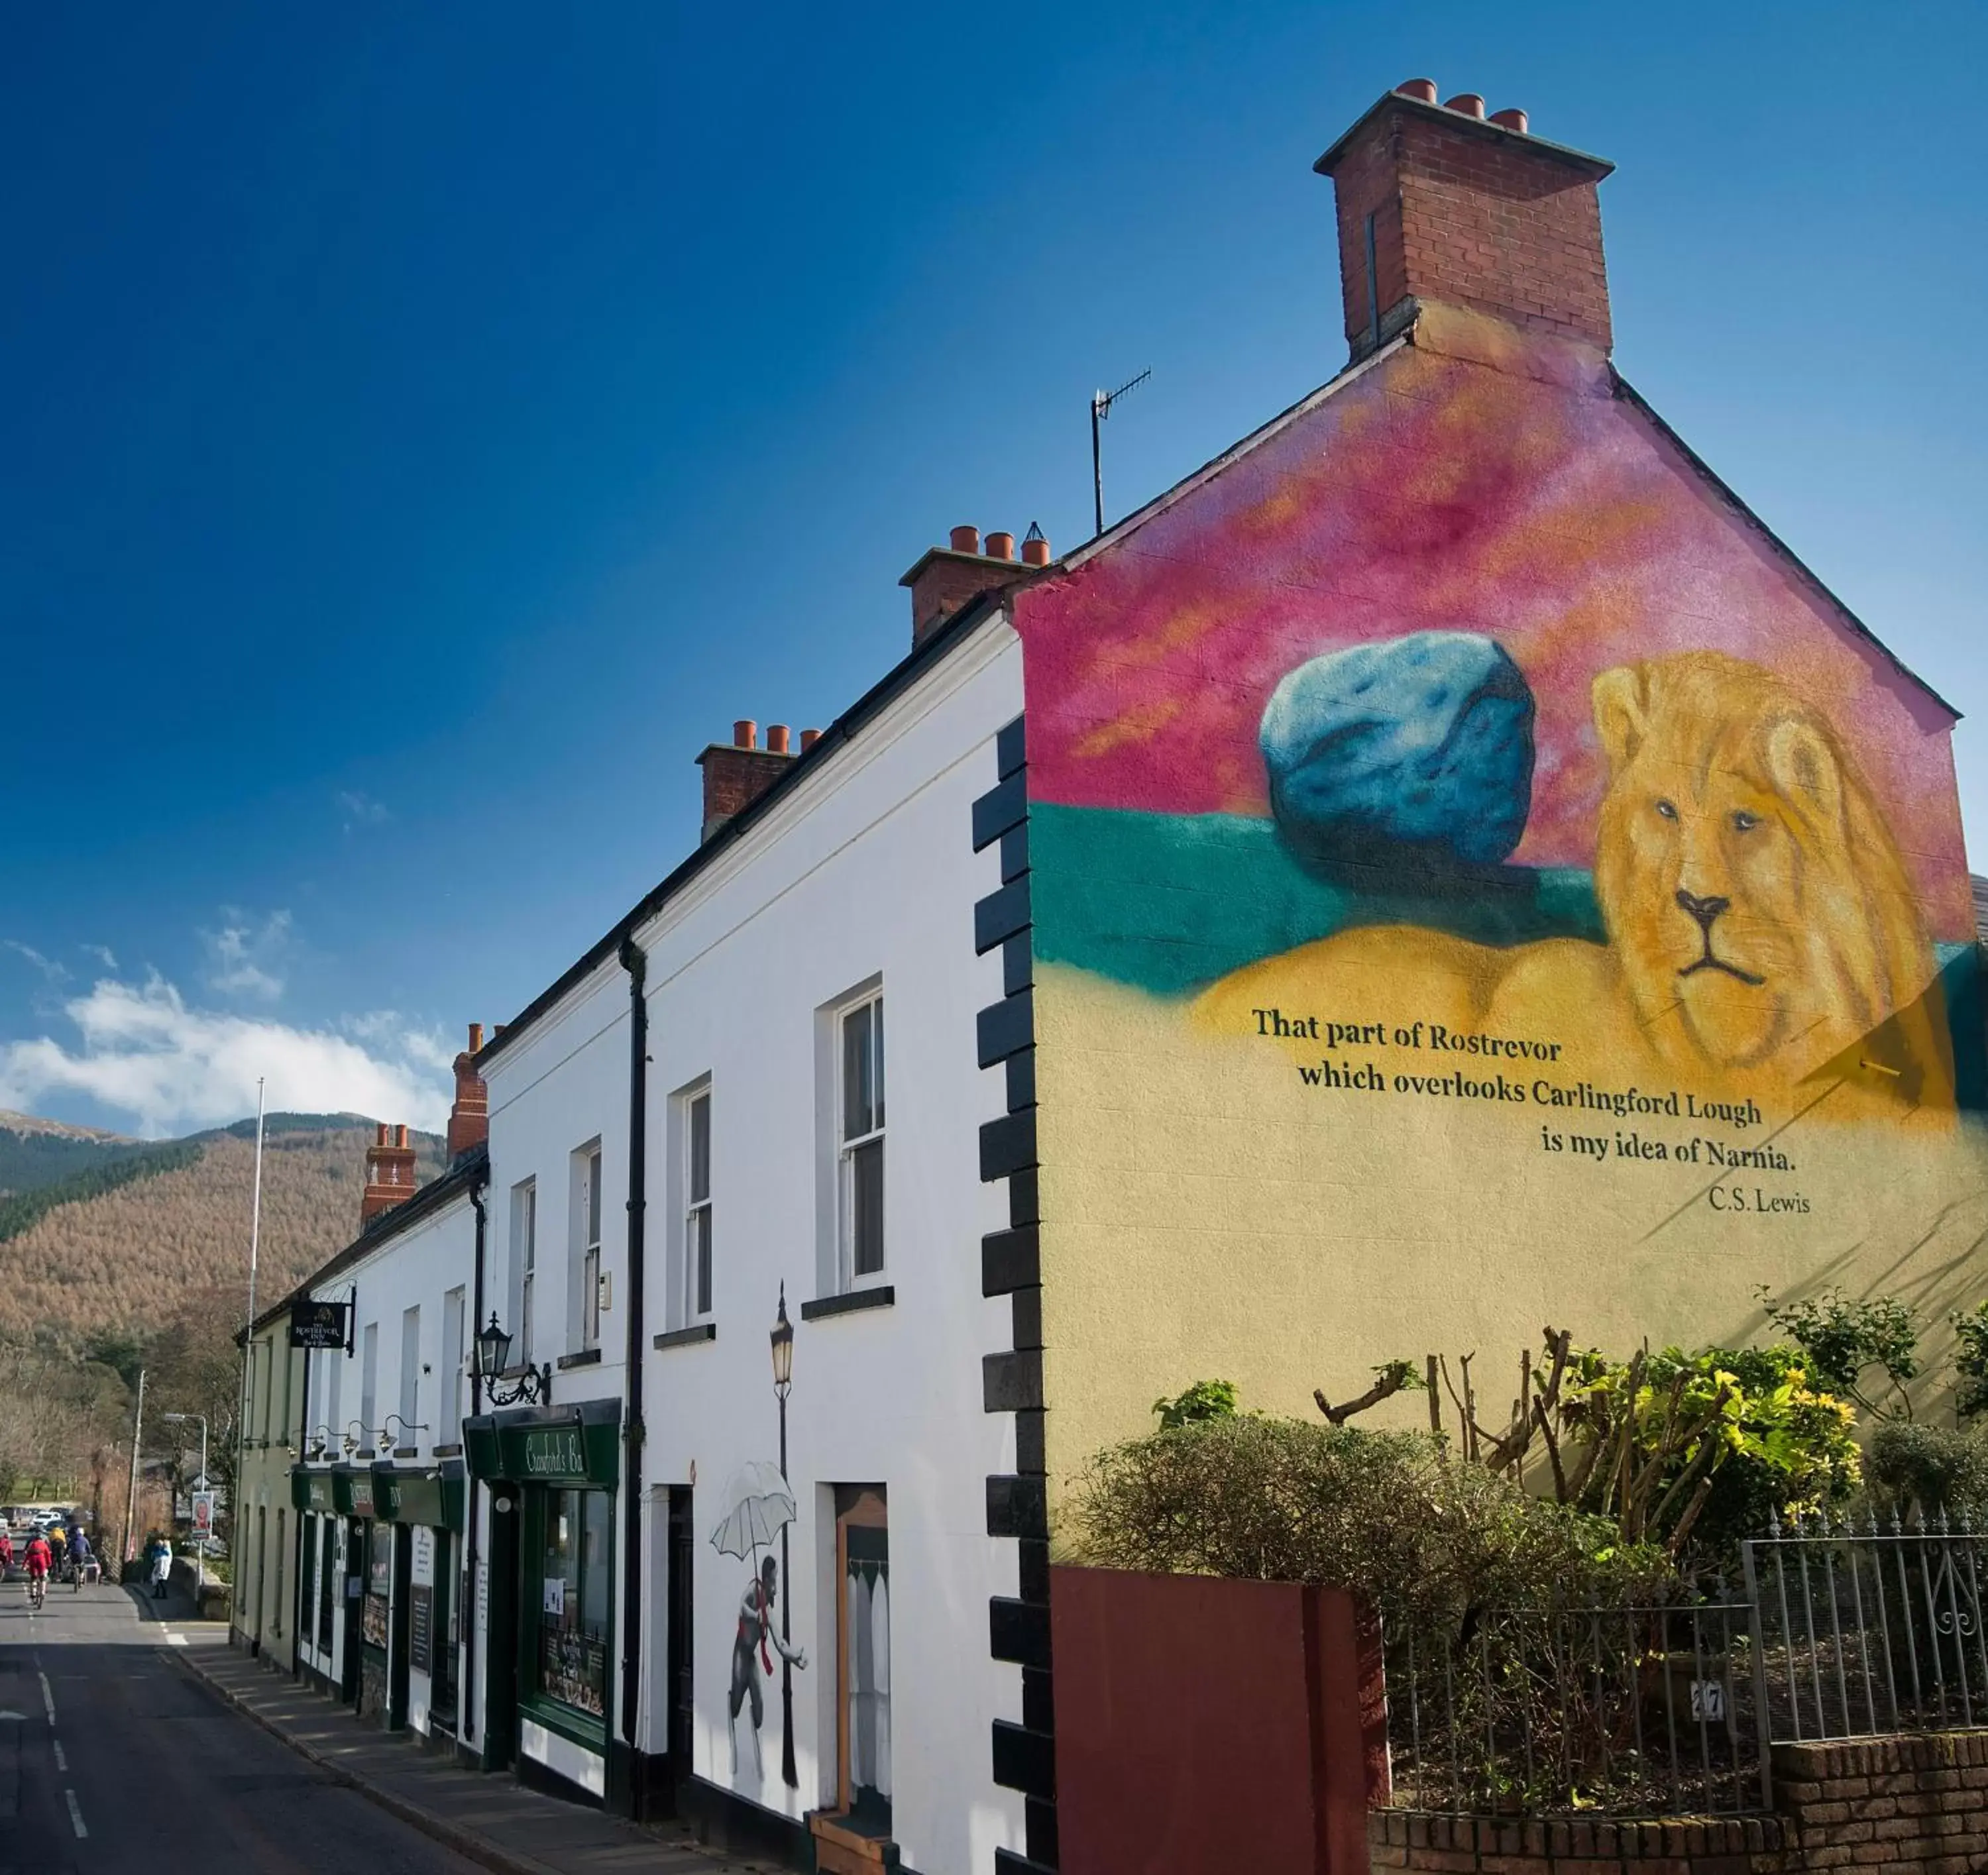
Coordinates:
x,y
1472,217
734,778
1917,1805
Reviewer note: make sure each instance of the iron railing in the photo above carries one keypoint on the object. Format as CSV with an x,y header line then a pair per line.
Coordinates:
x,y
1628,1711
1865,1628
1843,1630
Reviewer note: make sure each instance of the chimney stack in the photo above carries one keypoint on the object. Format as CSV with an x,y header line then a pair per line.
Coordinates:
x,y
1440,202
735,775
469,1117
390,1173
947,580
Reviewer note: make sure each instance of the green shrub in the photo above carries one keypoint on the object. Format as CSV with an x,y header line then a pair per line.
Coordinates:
x,y
1204,1400
1916,1470
1285,1500
1970,1360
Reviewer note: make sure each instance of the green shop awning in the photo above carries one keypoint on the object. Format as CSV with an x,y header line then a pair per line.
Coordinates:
x,y
310,1490
575,1445
431,1496
351,1491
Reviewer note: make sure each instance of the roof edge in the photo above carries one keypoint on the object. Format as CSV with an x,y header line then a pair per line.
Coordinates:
x,y
1630,394
1593,168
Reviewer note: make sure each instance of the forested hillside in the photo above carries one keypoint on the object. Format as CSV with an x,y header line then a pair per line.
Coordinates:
x,y
35,1152
118,1249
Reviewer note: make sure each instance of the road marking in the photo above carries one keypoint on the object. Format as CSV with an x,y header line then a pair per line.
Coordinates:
x,y
75,1812
48,1698
62,1763
176,1640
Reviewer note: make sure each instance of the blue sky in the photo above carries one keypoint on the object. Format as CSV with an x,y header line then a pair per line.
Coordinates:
x,y
427,428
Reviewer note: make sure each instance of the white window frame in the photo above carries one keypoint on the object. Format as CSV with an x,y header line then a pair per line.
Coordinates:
x,y
524,1268
454,1352
849,1145
700,1278
589,1199
369,1385
409,1410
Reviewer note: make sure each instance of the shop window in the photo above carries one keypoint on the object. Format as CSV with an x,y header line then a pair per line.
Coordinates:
x,y
379,1583
576,1554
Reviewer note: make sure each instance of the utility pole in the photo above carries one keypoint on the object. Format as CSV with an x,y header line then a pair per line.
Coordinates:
x,y
131,1495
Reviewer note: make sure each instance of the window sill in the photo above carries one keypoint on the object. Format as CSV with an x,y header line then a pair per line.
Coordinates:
x,y
686,1337
587,1357
406,1451
448,1451
569,1722
881,1296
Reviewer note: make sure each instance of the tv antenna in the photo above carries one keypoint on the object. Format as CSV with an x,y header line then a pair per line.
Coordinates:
x,y
1100,408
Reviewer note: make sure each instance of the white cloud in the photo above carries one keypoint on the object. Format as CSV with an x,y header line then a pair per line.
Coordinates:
x,y
142,1051
246,958
361,809
101,952
46,965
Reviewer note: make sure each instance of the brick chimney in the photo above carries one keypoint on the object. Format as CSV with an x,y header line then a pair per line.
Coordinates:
x,y
469,1117
390,1173
1440,202
737,773
947,579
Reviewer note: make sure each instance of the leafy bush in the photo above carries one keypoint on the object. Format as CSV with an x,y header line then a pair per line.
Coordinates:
x,y
1204,1400
1843,1339
1970,1360
1284,1500
1917,1471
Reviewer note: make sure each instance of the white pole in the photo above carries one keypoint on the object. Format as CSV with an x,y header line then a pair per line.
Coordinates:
x,y
248,1332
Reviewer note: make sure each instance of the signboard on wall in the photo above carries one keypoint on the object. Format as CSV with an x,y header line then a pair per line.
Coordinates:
x,y
420,1570
203,1513
318,1324
421,1628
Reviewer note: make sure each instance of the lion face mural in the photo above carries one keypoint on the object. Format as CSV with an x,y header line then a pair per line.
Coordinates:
x,y
1754,896
1762,927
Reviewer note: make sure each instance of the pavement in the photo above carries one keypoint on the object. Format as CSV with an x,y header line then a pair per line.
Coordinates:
x,y
132,1735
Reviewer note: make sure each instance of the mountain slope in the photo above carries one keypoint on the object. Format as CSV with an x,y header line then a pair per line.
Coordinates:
x,y
35,1152
122,1259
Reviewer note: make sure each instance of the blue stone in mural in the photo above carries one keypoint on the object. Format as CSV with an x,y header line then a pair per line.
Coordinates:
x,y
1420,745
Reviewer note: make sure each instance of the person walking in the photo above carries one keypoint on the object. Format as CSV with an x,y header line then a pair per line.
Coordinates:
x,y
162,1567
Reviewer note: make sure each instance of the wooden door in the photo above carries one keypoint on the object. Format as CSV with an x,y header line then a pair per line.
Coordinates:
x,y
862,1659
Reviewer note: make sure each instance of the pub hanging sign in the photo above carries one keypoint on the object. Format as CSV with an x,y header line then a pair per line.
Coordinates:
x,y
318,1324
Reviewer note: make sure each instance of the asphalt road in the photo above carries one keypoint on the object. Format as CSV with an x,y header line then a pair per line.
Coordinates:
x,y
113,1756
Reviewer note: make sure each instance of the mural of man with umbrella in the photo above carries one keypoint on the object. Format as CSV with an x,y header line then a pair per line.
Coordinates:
x,y
758,1505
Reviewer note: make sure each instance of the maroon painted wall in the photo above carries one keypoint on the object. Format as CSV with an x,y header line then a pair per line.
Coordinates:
x,y
1202,1724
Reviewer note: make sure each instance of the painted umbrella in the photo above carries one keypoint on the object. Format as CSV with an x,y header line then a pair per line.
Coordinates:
x,y
757,1505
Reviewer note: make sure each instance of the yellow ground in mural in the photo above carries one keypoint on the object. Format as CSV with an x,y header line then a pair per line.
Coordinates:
x,y
1285,1210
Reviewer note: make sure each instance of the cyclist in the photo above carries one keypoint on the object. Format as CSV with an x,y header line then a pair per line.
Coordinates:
x,y
39,1558
78,1555
6,1552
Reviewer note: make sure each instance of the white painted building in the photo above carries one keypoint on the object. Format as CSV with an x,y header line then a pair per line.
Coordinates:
x,y
811,1104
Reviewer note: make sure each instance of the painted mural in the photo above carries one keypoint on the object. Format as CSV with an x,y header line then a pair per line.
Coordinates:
x,y
758,1508
1479,878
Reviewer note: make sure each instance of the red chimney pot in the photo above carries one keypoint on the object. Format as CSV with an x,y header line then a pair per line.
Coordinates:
x,y
809,738
1001,546
1512,119
1468,102
965,540
1036,552
1423,89
745,733
475,1037
776,738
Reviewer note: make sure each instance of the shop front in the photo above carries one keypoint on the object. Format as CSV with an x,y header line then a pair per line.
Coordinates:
x,y
367,1577
422,1511
551,1475
320,1574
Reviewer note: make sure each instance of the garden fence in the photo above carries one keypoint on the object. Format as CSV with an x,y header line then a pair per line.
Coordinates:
x,y
1672,1708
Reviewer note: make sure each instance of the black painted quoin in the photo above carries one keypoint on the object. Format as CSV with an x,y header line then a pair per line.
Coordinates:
x,y
1010,1266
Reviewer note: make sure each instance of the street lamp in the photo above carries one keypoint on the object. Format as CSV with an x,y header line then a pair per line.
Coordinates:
x,y
387,1430
783,1379
493,1355
200,1542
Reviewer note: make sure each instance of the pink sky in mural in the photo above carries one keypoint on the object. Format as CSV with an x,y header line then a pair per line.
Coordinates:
x,y
1433,494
